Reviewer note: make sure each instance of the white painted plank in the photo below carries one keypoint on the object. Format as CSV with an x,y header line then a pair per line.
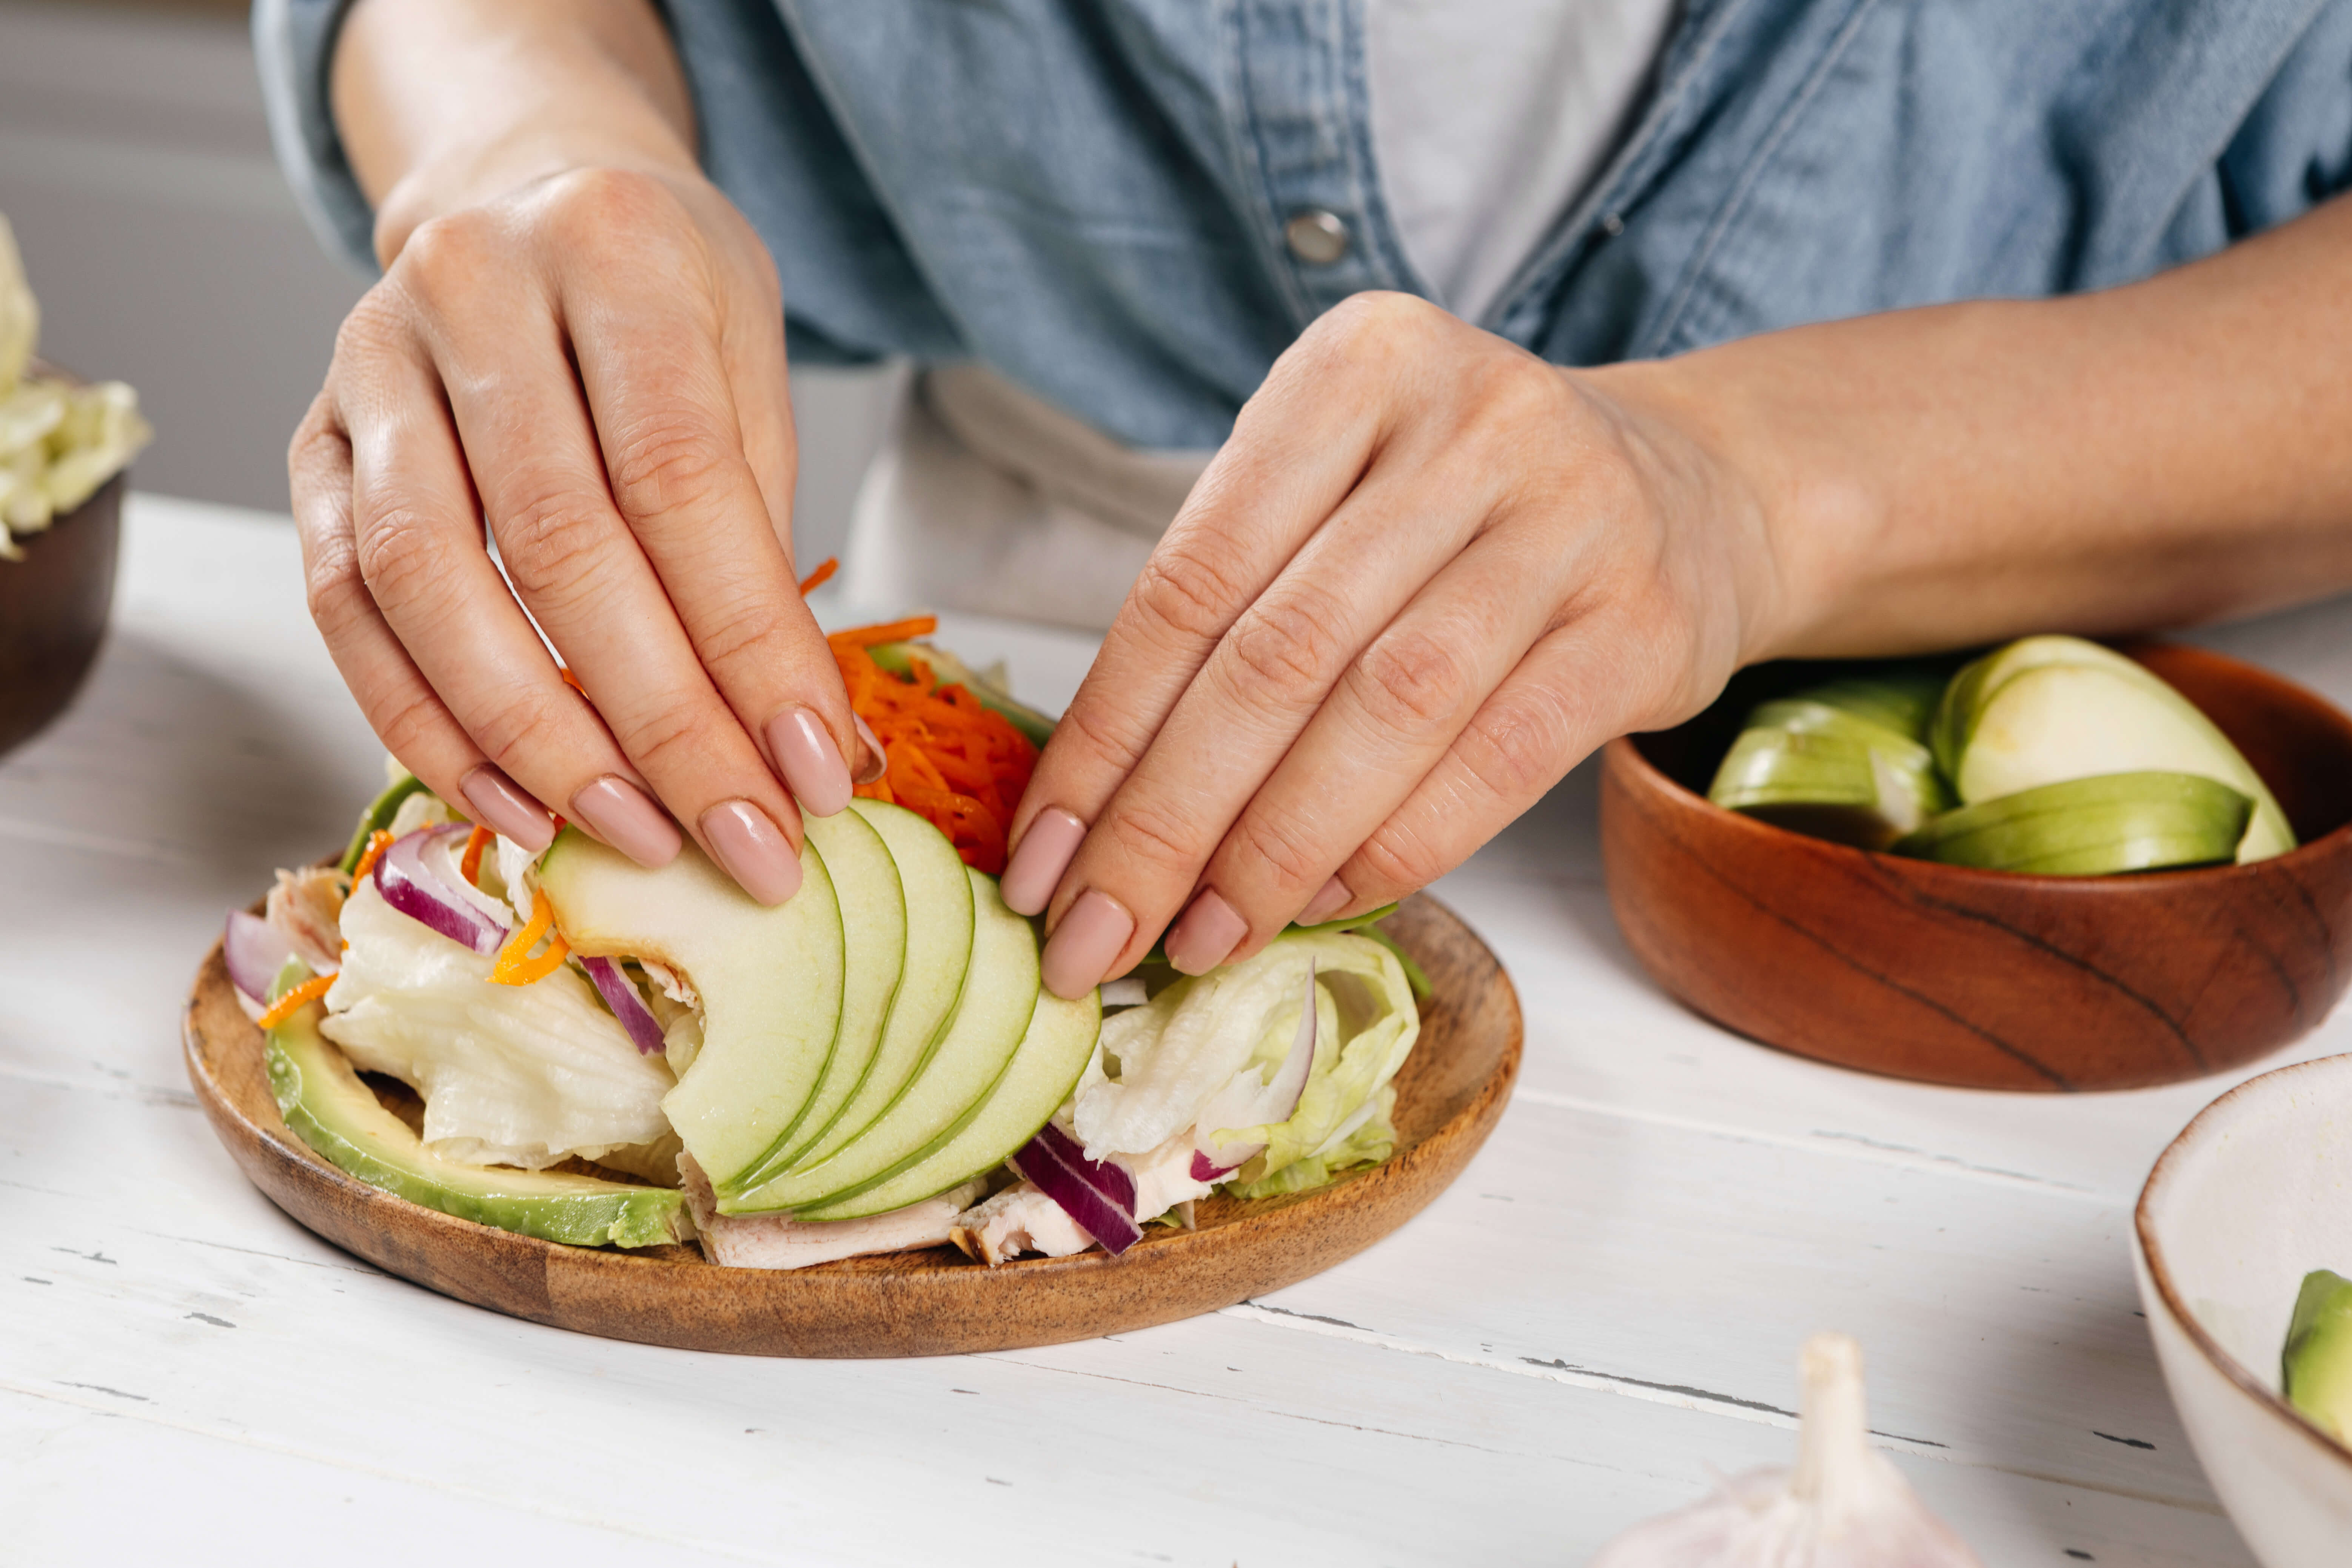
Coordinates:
x,y
1669,1204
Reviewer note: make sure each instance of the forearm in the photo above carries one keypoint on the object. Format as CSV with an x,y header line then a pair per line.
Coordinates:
x,y
2174,451
443,103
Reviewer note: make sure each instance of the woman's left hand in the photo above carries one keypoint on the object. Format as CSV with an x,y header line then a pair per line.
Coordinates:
x,y
1427,575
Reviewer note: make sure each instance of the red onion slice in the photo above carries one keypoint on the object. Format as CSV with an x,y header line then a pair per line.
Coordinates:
x,y
1276,1102
255,952
627,1004
1114,1182
1100,1197
1095,1214
412,883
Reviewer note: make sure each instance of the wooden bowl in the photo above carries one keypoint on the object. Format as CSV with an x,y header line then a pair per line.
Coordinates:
x,y
53,606
1991,979
2244,1203
1450,1093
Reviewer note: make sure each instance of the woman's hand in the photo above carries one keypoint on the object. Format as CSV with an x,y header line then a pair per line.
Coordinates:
x,y
1428,574
591,360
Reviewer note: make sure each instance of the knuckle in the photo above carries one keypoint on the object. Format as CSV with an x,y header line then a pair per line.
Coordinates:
x,y
1281,848
521,724
1285,645
1184,590
334,592
586,207
1512,748
1156,839
549,540
667,465
412,725
1105,734
1411,680
675,741
1399,860
445,256
400,556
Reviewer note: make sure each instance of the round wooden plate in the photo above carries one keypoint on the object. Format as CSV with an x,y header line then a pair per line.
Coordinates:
x,y
1450,1093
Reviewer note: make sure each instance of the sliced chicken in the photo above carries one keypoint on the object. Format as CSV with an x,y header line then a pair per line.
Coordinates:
x,y
307,908
779,1241
1017,1220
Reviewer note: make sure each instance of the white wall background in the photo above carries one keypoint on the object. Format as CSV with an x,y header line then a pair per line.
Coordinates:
x,y
135,167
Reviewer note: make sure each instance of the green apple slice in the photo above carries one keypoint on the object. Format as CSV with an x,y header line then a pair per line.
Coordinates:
x,y
1053,1052
1820,771
2046,710
771,982
328,1107
938,889
2090,827
874,946
2316,1363
1000,994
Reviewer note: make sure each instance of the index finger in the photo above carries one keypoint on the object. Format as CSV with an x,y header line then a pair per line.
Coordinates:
x,y
1294,455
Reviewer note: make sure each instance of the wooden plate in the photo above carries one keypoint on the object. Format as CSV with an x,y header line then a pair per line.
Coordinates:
x,y
1450,1093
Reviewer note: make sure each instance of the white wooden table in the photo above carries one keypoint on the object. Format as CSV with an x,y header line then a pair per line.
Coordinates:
x,y
1602,1312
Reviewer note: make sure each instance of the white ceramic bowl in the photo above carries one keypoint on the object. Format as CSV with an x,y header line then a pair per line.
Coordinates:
x,y
2252,1195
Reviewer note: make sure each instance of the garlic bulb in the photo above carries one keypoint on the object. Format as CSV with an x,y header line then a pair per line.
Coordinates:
x,y
1845,1506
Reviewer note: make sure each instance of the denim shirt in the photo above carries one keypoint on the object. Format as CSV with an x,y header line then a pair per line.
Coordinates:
x,y
1089,195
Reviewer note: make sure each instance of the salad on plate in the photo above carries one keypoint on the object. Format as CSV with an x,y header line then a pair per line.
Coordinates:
x,y
573,1048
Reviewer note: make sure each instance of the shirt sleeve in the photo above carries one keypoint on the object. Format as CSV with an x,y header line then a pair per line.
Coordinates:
x,y
293,44
853,293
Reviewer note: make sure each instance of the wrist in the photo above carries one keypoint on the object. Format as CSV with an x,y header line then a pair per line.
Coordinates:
x,y
1781,513
472,175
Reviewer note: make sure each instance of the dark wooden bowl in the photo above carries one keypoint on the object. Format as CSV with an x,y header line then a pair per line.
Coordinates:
x,y
1450,1093
1991,979
53,607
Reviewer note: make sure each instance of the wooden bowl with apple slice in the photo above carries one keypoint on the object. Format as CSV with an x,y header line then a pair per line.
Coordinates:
x,y
1450,1093
1992,979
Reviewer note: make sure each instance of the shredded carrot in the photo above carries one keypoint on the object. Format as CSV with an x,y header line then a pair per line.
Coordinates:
x,y
949,758
515,965
469,864
378,842
821,577
571,679
889,631
294,1001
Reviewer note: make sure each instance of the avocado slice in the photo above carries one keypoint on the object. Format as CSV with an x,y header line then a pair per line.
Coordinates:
x,y
1000,995
2318,1360
2046,710
771,982
2090,827
937,890
328,1107
874,947
1052,1053
378,815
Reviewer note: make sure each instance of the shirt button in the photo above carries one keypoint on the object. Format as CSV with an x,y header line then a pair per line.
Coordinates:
x,y
1315,235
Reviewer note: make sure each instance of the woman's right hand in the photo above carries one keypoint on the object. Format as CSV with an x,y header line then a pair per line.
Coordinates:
x,y
594,365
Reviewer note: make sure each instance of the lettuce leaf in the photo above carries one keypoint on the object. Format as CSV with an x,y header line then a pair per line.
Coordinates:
x,y
1374,1140
1162,1064
510,1075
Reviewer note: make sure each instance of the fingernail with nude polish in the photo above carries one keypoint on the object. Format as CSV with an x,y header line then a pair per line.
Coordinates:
x,y
753,850
1036,867
1085,944
1334,898
813,770
1208,930
621,816
500,804
877,762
